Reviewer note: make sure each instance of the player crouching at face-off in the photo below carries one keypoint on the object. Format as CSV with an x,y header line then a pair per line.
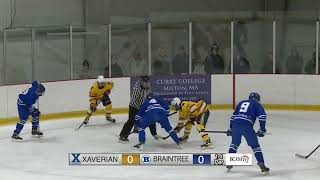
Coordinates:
x,y
190,113
26,101
100,92
153,110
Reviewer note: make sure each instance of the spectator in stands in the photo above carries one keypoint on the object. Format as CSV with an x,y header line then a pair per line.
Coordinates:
x,y
180,62
214,63
240,37
267,66
310,67
137,66
116,70
198,67
84,74
161,63
294,62
241,65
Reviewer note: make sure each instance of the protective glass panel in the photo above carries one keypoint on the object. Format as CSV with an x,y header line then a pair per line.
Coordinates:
x,y
52,54
90,51
211,46
170,48
19,56
2,70
129,55
296,46
253,42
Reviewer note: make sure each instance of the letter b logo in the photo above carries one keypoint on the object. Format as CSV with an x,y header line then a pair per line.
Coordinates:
x,y
146,159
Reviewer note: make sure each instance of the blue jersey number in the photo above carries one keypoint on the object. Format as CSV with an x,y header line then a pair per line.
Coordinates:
x,y
244,107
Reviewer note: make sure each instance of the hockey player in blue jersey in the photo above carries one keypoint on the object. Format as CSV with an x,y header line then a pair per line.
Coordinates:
x,y
26,101
242,123
153,110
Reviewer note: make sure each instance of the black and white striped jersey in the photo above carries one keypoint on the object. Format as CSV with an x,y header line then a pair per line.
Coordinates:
x,y
138,95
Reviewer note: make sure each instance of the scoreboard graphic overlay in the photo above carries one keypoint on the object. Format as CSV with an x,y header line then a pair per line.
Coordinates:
x,y
147,159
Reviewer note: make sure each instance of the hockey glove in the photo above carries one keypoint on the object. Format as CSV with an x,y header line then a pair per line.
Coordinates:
x,y
135,130
93,107
261,133
106,93
229,132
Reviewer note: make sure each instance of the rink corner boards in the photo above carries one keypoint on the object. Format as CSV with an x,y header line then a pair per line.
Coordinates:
x,y
74,114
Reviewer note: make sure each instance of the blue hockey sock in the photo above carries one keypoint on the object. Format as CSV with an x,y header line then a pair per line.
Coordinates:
x,y
258,153
142,136
174,136
35,123
19,127
233,148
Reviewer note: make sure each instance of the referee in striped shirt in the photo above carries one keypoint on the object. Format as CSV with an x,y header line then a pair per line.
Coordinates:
x,y
139,93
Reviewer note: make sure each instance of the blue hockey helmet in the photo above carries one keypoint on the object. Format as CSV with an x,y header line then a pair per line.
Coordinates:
x,y
35,84
150,95
254,96
40,90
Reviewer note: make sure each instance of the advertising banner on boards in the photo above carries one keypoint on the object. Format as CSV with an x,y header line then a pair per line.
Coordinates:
x,y
191,87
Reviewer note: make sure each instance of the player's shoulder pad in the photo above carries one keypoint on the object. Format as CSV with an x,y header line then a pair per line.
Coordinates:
x,y
184,103
95,84
240,103
201,101
110,84
260,105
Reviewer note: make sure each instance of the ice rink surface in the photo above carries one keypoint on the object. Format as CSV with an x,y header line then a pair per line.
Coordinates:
x,y
47,158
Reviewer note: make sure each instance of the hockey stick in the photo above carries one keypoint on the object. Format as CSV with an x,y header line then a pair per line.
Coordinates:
x,y
87,118
215,131
164,138
306,157
167,115
226,132
172,113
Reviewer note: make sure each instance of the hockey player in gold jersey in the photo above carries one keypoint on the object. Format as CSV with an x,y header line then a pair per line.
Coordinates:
x,y
99,92
190,113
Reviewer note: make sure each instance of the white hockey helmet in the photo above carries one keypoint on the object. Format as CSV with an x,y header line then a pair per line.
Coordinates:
x,y
176,102
100,79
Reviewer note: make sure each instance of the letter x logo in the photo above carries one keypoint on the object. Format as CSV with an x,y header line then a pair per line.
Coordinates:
x,y
75,157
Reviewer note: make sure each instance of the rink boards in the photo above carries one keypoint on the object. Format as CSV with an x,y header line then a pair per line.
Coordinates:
x,y
159,159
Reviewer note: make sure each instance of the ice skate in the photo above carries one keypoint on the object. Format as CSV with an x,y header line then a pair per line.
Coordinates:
x,y
16,136
229,167
110,119
36,132
264,169
140,146
157,137
184,139
123,140
207,145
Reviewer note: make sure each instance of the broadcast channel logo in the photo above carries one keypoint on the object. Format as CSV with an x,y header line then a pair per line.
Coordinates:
x,y
145,159
239,159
